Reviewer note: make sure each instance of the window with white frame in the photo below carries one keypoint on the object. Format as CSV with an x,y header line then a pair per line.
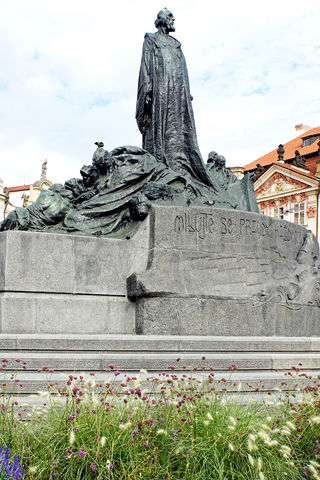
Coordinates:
x,y
278,212
299,213
262,211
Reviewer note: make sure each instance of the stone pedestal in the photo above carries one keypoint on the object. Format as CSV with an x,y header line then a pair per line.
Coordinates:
x,y
188,271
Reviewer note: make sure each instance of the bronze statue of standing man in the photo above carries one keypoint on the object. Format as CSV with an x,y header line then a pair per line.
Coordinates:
x,y
164,111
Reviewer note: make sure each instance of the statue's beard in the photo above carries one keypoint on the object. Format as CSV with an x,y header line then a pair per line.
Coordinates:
x,y
171,28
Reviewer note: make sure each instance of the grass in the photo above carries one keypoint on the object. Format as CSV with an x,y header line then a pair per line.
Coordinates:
x,y
170,426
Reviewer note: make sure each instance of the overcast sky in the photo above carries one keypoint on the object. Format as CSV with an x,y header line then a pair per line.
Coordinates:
x,y
69,70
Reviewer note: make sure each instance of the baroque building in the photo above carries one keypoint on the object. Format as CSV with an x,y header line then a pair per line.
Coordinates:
x,y
287,179
22,195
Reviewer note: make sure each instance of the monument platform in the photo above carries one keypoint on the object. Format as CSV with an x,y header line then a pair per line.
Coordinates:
x,y
192,280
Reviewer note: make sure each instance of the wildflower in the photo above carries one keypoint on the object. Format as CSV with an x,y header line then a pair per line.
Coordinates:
x,y
313,470
259,464
285,449
271,443
261,476
252,437
251,460
206,423
250,445
93,467
285,431
291,426
263,435
231,447
82,452
72,437
33,469
103,441
209,416
162,432
265,427
314,464
315,420
231,427
124,426
233,421
109,465
7,467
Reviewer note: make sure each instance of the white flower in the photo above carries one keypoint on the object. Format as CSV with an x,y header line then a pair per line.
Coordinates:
x,y
285,449
291,426
251,460
124,426
72,437
33,469
103,441
209,416
263,436
231,447
259,464
265,427
233,421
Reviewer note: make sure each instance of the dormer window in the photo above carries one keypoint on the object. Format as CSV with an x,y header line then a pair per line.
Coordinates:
x,y
309,140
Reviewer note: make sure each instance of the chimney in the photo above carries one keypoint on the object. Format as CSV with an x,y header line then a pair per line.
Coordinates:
x,y
302,127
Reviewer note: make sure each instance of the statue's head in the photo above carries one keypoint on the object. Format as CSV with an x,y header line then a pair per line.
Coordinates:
x,y
212,157
89,175
220,161
165,21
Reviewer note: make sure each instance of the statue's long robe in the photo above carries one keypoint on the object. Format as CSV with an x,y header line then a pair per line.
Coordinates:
x,y
167,123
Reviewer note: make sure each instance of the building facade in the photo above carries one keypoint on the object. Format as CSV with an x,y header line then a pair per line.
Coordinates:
x,y
287,180
22,195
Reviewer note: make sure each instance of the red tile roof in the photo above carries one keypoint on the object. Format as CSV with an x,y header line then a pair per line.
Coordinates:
x,y
289,150
20,188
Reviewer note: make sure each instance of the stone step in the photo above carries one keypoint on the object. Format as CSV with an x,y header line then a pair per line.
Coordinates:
x,y
236,381
133,361
154,343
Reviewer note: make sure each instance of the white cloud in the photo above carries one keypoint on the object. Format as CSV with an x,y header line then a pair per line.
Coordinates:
x,y
69,73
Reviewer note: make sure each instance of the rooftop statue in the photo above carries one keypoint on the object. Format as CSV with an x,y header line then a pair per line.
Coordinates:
x,y
117,190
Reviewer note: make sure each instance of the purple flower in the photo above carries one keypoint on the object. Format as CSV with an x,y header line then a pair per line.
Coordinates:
x,y
10,470
82,452
93,467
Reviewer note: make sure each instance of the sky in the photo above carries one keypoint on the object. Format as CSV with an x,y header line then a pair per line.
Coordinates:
x,y
69,72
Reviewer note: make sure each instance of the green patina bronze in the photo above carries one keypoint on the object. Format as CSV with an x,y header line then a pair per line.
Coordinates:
x,y
117,190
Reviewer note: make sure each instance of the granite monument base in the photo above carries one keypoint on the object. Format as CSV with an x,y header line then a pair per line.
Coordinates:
x,y
188,271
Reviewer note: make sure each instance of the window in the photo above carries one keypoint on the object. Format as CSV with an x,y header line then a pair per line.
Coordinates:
x,y
299,213
278,212
309,140
263,212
